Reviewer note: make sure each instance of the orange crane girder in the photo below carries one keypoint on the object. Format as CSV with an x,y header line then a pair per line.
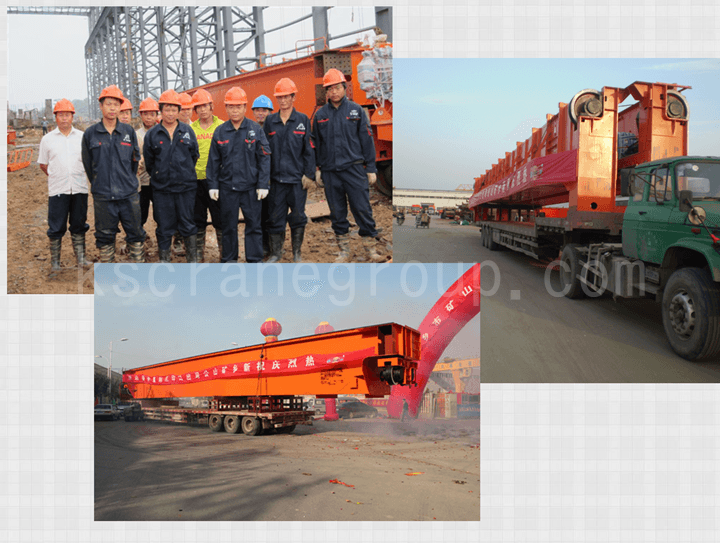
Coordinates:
x,y
307,73
658,121
364,360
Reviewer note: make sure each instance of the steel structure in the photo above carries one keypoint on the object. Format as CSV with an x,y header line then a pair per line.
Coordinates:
x,y
146,50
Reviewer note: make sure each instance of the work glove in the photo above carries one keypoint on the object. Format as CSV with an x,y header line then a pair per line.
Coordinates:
x,y
318,179
262,193
214,194
372,178
306,182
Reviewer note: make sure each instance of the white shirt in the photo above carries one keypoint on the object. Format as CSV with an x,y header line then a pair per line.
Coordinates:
x,y
63,157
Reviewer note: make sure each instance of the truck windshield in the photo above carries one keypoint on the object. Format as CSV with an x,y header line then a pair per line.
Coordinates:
x,y
702,178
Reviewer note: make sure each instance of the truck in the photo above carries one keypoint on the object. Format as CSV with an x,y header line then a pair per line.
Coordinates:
x,y
261,387
613,193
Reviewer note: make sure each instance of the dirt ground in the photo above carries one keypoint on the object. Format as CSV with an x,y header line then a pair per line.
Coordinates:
x,y
28,269
347,470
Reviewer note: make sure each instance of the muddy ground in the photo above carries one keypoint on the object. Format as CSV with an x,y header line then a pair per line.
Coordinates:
x,y
28,269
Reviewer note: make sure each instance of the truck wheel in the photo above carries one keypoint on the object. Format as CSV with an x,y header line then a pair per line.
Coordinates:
x,y
286,429
569,271
215,422
691,314
490,243
231,424
484,236
251,426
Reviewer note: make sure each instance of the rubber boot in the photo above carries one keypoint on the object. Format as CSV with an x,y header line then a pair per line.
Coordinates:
x,y
200,244
296,237
136,251
372,253
78,242
55,246
191,249
177,245
266,244
165,255
277,240
343,241
107,253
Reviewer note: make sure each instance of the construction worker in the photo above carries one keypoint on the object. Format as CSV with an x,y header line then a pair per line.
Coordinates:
x,y
238,174
148,110
44,125
186,108
60,158
185,116
110,155
125,115
346,160
170,152
204,127
262,107
291,172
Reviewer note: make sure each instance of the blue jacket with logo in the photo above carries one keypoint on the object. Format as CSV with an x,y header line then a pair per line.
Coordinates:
x,y
342,137
292,154
171,162
111,161
239,159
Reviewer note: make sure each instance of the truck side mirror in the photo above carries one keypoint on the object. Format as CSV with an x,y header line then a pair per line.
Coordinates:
x,y
686,197
626,187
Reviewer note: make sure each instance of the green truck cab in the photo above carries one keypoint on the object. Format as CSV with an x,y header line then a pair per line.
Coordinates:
x,y
672,226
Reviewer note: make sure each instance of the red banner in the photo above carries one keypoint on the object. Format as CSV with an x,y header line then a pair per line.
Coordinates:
x,y
547,170
254,368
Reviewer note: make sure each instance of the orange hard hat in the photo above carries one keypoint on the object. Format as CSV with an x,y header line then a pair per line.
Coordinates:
x,y
126,105
148,105
170,97
201,97
64,105
185,100
284,87
113,91
235,96
332,77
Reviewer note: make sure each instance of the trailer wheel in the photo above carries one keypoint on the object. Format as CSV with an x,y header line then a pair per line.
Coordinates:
x,y
215,422
251,426
483,233
569,270
231,424
691,314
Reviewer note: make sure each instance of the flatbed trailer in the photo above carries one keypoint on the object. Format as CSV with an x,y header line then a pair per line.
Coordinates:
x,y
252,416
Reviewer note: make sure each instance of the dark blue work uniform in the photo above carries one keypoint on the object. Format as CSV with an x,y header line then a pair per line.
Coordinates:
x,y
345,154
238,164
111,162
171,165
292,157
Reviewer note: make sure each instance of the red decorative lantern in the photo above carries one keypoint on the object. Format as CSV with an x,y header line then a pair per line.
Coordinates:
x,y
271,329
324,327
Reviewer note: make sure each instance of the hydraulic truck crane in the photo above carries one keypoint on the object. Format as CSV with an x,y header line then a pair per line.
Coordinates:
x,y
617,196
260,387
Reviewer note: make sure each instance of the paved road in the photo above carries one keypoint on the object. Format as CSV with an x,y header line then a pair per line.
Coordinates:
x,y
155,471
442,242
530,336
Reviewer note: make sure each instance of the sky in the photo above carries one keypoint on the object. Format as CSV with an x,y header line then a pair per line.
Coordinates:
x,y
46,56
454,118
164,317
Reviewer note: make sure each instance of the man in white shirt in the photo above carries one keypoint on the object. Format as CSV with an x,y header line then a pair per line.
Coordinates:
x,y
60,158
